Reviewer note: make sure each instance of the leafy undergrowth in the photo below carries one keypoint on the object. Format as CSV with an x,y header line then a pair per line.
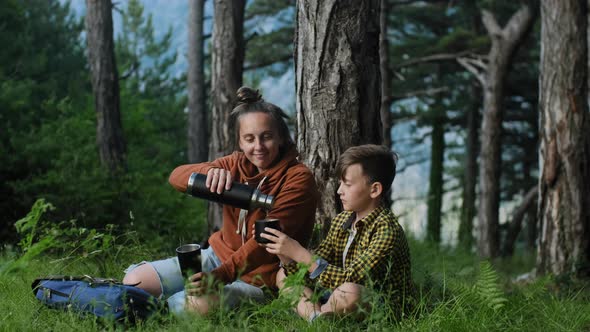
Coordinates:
x,y
457,293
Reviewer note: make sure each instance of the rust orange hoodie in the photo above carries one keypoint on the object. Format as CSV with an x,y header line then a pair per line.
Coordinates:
x,y
294,188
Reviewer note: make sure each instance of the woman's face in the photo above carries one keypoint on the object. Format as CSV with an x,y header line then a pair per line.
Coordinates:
x,y
259,139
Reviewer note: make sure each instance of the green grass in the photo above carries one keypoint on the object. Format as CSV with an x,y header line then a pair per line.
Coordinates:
x,y
457,293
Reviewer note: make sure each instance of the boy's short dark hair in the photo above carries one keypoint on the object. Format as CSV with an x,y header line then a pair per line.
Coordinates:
x,y
377,161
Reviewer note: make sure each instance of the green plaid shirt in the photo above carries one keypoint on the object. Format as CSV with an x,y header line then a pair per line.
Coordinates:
x,y
379,252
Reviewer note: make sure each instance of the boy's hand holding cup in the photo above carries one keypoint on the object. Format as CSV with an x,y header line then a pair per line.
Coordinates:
x,y
259,227
277,242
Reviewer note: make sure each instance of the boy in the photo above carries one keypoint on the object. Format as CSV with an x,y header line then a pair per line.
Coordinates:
x,y
365,245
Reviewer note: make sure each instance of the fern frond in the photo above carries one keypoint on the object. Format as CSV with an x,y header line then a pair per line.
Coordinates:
x,y
487,288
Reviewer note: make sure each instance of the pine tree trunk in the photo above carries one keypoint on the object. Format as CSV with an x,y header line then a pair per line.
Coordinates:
x,y
435,187
530,217
504,44
468,210
564,190
105,84
470,174
531,223
227,63
437,153
338,87
386,98
198,138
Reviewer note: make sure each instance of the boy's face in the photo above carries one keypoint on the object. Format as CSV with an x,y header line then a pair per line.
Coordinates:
x,y
355,189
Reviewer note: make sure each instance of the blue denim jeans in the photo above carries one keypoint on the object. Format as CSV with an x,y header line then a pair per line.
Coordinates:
x,y
172,282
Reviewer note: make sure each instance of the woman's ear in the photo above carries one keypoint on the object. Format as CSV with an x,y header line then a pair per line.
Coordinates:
x,y
282,145
376,189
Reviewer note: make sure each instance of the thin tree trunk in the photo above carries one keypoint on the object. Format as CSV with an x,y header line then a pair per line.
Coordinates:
x,y
386,98
504,44
437,153
470,173
564,201
227,63
435,188
105,84
198,138
468,210
516,221
532,232
530,216
338,87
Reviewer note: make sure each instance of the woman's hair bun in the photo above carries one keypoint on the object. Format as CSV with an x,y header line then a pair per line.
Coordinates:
x,y
248,95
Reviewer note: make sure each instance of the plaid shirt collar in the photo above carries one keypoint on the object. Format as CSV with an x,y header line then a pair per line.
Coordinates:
x,y
370,217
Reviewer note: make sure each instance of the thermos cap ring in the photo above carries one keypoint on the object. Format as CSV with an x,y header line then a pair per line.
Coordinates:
x,y
191,183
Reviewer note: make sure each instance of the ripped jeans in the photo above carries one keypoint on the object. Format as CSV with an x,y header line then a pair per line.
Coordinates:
x,y
172,282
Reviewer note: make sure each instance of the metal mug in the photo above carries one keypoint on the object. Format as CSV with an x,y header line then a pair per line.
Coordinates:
x,y
259,226
189,258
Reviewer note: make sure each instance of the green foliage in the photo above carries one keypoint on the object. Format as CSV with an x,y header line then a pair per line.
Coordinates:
x,y
27,226
155,128
35,240
487,288
64,239
461,39
295,283
269,8
143,61
42,60
269,51
48,146
423,29
529,307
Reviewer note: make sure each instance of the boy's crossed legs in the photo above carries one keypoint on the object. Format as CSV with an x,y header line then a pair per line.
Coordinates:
x,y
345,299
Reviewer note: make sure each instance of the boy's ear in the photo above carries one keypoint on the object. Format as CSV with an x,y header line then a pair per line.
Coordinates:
x,y
376,189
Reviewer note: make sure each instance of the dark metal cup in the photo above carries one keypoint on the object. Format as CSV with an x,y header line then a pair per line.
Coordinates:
x,y
189,258
259,226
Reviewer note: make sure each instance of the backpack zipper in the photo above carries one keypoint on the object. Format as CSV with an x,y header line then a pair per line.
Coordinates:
x,y
48,291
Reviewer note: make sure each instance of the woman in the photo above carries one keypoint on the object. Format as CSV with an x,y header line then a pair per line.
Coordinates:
x,y
267,160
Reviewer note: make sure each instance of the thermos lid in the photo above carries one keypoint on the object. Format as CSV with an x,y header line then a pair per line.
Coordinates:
x,y
263,201
191,183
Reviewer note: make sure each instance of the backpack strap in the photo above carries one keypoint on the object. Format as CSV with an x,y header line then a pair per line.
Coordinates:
x,y
92,281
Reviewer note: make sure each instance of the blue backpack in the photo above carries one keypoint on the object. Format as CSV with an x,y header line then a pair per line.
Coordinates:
x,y
105,298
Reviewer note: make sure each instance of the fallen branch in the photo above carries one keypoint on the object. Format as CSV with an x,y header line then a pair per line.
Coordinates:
x,y
431,58
515,224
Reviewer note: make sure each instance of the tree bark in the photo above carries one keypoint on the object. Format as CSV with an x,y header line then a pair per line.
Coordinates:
x,y
504,44
198,138
530,216
564,245
435,187
470,173
105,84
227,65
468,209
386,98
531,224
516,221
338,87
437,155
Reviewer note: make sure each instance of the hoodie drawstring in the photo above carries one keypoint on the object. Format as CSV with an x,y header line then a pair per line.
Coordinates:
x,y
242,227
